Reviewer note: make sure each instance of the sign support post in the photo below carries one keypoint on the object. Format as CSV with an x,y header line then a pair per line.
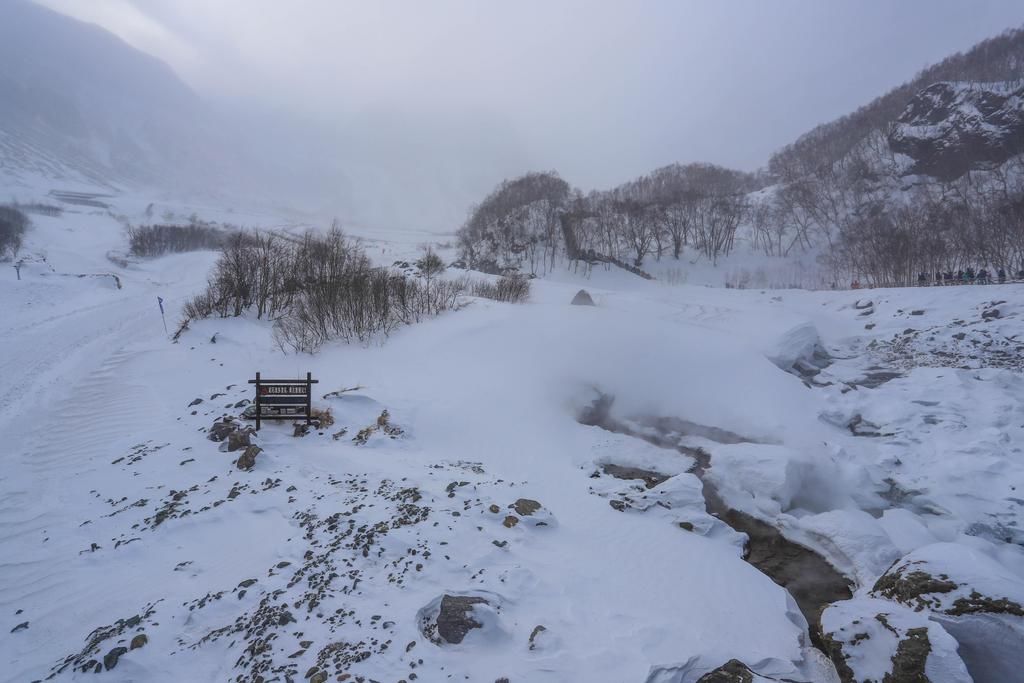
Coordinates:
x,y
258,401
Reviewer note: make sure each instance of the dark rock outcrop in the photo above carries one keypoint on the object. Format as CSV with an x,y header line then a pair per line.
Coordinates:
x,y
247,460
913,588
951,128
525,506
908,664
455,619
239,439
221,429
649,477
110,659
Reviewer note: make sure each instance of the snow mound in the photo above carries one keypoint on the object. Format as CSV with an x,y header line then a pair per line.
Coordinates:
x,y
857,543
799,351
766,480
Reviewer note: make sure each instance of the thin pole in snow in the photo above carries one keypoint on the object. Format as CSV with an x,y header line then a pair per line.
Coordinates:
x,y
160,302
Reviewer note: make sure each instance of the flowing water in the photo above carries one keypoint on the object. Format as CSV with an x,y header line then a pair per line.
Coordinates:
x,y
812,581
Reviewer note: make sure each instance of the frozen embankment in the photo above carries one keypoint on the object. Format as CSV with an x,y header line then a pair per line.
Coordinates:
x,y
810,580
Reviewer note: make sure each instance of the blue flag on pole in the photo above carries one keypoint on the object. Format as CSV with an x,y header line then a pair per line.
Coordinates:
x,y
160,300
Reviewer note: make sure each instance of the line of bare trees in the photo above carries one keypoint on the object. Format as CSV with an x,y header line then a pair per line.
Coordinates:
x,y
322,287
317,288
13,224
155,240
534,222
865,224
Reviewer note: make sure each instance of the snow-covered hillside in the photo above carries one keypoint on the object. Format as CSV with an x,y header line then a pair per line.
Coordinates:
x,y
483,531
79,104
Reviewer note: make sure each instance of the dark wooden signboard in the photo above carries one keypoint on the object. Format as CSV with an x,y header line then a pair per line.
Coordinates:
x,y
283,399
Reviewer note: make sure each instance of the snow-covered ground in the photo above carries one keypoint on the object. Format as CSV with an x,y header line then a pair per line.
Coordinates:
x,y
881,429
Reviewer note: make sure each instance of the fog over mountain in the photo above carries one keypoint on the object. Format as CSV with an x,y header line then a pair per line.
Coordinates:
x,y
395,113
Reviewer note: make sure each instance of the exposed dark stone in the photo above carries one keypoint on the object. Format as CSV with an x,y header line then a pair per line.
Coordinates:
x,y
525,506
455,619
110,659
510,521
858,426
138,641
195,402
247,460
908,664
221,429
649,477
910,587
20,627
537,630
239,439
977,603
834,650
862,305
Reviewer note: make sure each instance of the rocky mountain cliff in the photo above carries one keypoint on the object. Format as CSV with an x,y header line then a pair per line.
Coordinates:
x,y
950,128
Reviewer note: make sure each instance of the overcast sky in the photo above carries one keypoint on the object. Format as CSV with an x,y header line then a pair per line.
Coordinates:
x,y
602,91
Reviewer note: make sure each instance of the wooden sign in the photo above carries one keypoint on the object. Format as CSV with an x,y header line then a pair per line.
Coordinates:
x,y
283,399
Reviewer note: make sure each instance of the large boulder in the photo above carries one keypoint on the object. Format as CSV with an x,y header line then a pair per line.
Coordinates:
x,y
951,128
221,429
449,619
238,440
455,618
247,460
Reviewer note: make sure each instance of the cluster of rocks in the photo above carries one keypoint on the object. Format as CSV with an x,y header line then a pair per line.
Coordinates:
x,y
967,344
234,436
347,553
527,511
89,660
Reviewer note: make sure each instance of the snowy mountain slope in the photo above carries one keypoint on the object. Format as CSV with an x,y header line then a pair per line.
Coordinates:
x,y
78,106
118,116
120,518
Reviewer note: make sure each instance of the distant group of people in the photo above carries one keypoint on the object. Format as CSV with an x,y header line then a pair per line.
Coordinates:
x,y
965,277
